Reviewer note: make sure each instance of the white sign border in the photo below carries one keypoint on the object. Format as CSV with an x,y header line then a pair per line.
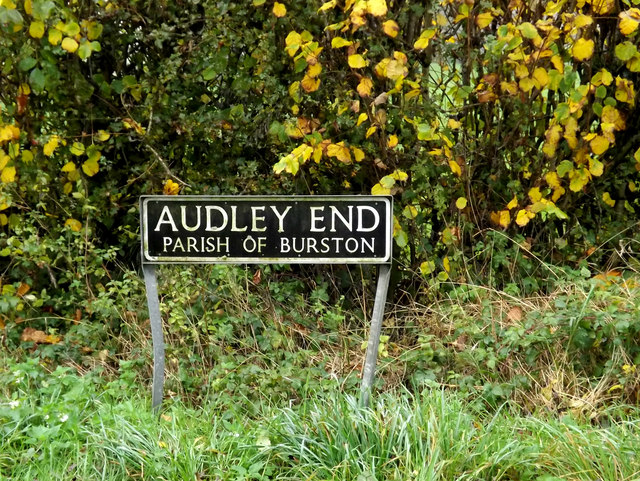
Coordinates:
x,y
387,200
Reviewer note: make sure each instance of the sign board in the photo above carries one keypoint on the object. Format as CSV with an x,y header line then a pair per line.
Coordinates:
x,y
263,230
266,229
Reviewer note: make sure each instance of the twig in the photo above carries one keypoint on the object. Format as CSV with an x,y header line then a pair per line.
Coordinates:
x,y
164,165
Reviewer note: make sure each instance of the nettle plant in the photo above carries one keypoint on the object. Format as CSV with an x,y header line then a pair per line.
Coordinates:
x,y
476,115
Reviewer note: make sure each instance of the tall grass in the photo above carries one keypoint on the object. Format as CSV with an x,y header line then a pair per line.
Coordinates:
x,y
437,435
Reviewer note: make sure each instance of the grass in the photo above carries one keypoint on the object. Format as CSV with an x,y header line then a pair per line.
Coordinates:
x,y
64,426
502,388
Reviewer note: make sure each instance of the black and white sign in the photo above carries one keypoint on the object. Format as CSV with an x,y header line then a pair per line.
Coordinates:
x,y
266,229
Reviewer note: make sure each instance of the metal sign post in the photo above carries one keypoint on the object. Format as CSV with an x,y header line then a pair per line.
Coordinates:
x,y
265,230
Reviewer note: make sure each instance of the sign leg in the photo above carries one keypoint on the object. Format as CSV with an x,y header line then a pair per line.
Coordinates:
x,y
157,337
369,370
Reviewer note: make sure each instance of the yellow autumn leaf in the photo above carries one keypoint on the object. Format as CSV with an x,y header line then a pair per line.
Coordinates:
x,y
552,179
8,175
69,44
90,167
364,87
606,198
399,174
596,168
339,151
339,42
526,84
279,10
629,20
557,193
523,217
310,84
370,131
73,224
461,203
582,49
602,7
391,28
455,168
552,137
392,141
599,145
427,267
27,156
379,189
513,203
582,20
504,218
327,6
446,264
377,8
67,188
54,36
51,145
103,135
541,76
36,29
557,62
425,37
361,118
356,61
171,187
534,194
484,19
625,91
358,154
69,167
395,70
453,124
314,70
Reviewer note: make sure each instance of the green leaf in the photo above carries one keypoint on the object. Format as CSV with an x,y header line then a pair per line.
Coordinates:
x,y
37,80
564,168
42,9
528,30
27,63
625,51
84,51
209,73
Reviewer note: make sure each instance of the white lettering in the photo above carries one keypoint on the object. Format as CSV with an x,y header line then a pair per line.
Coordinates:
x,y
178,245
234,220
369,246
336,213
166,213
224,244
311,245
280,216
376,217
284,245
255,219
351,250
225,218
166,242
315,218
183,211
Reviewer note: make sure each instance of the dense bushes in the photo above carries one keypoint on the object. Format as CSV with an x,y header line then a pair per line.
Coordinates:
x,y
506,133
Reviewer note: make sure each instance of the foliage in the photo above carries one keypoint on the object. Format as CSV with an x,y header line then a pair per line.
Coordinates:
x,y
575,349
59,424
477,116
